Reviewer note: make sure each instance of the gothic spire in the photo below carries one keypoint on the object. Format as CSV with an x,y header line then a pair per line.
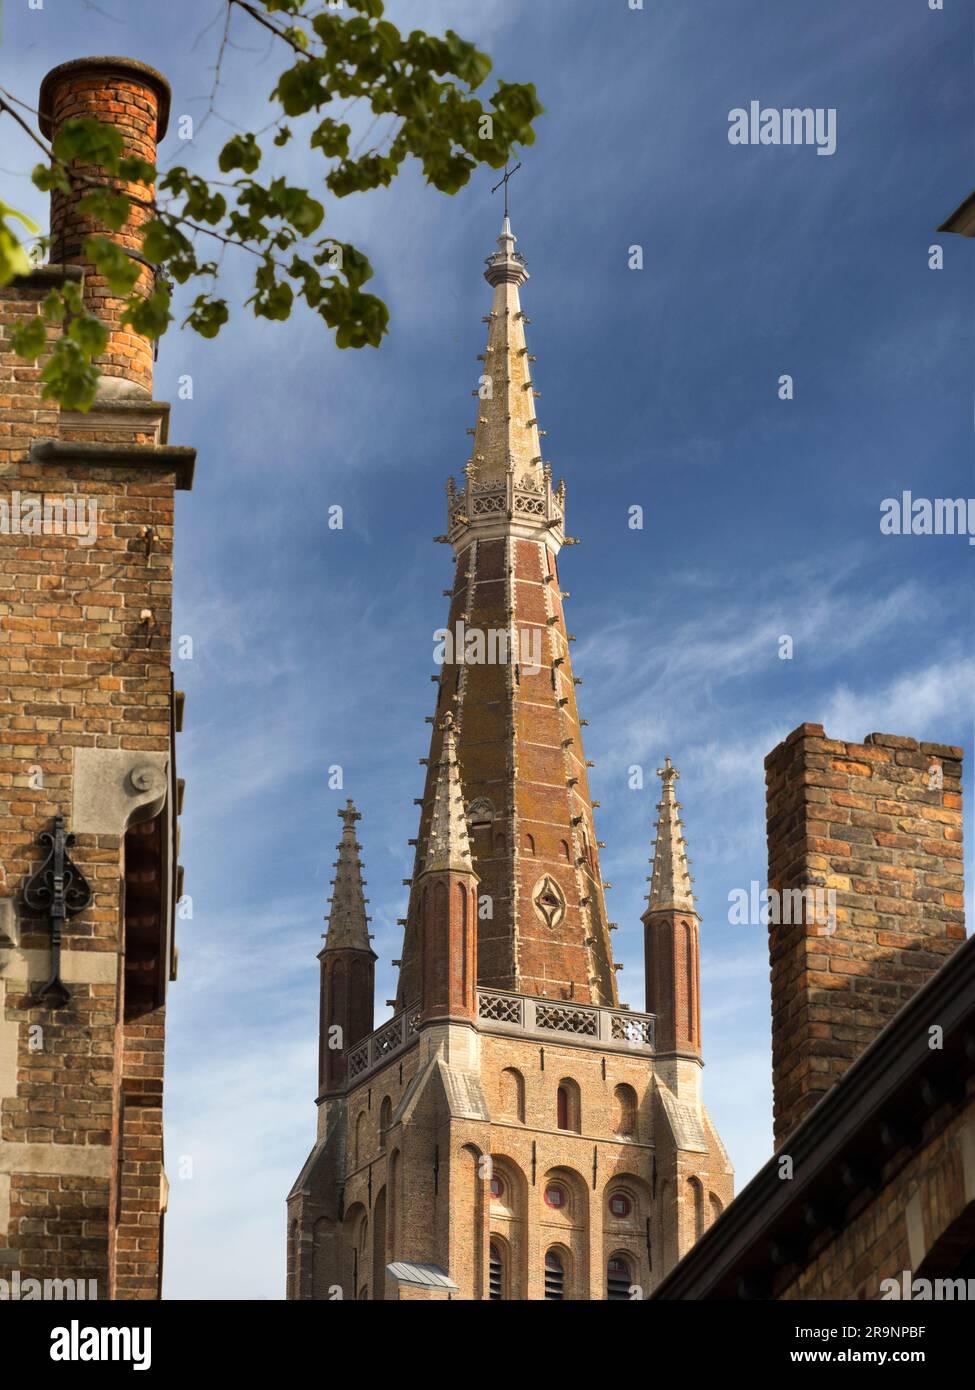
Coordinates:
x,y
670,882
348,927
506,433
448,845
512,756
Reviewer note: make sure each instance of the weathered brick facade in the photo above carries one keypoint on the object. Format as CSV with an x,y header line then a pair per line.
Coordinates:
x,y
91,716
879,825
871,1192
513,1131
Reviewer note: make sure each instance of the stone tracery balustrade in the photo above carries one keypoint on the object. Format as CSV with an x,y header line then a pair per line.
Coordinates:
x,y
500,1012
515,1013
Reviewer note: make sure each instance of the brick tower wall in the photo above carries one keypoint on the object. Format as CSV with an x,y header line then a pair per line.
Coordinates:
x,y
879,824
135,100
87,690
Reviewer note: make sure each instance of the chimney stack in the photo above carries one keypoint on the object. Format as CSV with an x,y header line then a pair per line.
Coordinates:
x,y
135,99
865,864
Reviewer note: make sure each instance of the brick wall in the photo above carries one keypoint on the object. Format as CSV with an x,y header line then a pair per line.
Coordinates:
x,y
920,1198
86,685
878,824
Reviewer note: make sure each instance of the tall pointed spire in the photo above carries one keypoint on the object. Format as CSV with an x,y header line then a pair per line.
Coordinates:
x,y
670,882
506,433
348,925
448,844
507,680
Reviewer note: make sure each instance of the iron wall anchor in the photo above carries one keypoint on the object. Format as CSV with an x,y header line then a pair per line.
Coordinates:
x,y
60,890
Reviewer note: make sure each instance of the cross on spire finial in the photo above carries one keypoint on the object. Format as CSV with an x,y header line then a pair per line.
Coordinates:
x,y
668,772
349,814
504,183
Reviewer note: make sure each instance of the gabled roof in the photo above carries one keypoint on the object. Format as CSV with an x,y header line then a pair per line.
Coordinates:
x,y
878,1106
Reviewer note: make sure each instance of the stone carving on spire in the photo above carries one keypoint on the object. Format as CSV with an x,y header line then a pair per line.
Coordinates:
x,y
348,925
670,882
448,844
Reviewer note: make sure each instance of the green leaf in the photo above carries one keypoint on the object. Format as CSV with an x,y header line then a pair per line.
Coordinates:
x,y
13,258
295,206
110,260
240,152
207,316
47,177
272,298
149,316
89,141
302,87
29,339
106,206
331,138
90,334
161,241
69,376
71,297
134,169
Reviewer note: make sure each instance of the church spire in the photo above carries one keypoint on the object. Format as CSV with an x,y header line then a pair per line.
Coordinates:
x,y
671,933
348,927
670,882
513,748
506,433
448,844
348,964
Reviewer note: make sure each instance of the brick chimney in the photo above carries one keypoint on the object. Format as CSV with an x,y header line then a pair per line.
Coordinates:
x,y
135,99
878,825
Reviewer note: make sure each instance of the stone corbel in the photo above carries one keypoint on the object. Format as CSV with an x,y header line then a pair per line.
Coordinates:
x,y
113,788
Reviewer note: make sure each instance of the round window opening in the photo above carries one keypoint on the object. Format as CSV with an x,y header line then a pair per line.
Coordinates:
x,y
556,1196
620,1205
497,1187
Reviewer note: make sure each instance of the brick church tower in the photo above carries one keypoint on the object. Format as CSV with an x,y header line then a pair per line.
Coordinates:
x,y
513,1131
88,791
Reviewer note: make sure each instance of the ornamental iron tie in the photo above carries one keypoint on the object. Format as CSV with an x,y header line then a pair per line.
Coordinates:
x,y
60,890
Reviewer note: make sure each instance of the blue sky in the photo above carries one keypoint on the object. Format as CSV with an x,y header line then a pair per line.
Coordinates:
x,y
313,647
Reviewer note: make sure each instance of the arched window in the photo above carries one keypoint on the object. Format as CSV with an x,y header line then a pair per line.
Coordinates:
x,y
385,1115
360,1137
529,844
695,1195
715,1207
564,846
554,1275
496,1271
567,1106
618,1280
513,1095
624,1111
691,1014
620,1206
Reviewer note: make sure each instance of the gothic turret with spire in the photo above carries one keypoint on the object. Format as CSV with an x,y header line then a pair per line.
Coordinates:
x,y
347,961
671,931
